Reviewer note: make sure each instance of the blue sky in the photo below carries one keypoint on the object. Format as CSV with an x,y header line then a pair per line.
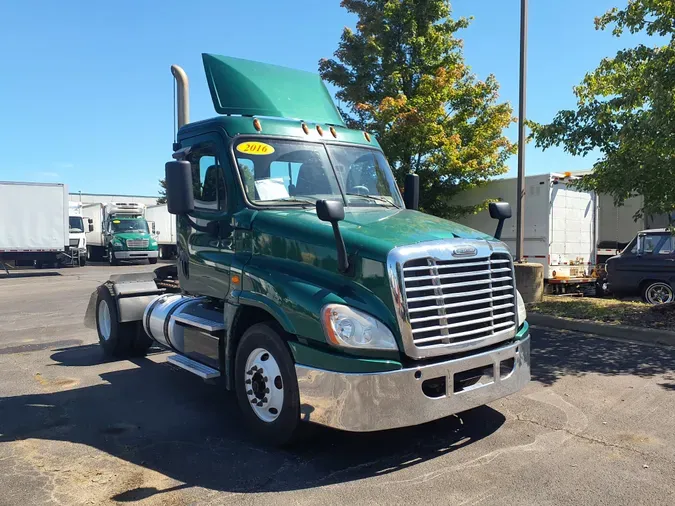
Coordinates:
x,y
86,93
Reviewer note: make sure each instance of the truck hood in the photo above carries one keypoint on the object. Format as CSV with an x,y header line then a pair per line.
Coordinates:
x,y
369,232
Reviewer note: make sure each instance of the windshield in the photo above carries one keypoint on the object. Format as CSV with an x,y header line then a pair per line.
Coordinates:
x,y
132,225
75,224
300,173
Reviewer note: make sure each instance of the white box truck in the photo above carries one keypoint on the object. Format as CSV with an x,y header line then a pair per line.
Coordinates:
x,y
119,232
560,224
163,229
77,234
33,223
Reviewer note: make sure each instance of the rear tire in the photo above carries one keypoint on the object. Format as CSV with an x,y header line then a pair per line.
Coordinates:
x,y
118,339
83,260
269,400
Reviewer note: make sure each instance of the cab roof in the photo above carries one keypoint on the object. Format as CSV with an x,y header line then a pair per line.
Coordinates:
x,y
280,127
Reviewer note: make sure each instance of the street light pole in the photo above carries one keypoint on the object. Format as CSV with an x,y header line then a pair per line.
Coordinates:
x,y
520,216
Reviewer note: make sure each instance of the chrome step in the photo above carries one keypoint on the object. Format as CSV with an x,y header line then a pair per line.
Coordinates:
x,y
201,370
199,322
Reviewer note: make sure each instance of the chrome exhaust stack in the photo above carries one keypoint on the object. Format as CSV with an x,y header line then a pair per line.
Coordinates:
x,y
182,95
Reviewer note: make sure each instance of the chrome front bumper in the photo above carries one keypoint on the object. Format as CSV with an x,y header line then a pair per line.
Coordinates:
x,y
133,255
379,401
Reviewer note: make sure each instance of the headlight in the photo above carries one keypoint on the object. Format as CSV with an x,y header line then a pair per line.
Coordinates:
x,y
349,328
117,244
522,312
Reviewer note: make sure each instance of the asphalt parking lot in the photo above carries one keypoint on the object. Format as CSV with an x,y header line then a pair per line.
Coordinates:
x,y
595,426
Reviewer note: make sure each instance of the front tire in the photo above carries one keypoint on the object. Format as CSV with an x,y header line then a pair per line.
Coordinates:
x,y
111,257
152,261
266,385
658,292
116,338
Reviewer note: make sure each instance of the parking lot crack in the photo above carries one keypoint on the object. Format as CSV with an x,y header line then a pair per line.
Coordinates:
x,y
591,439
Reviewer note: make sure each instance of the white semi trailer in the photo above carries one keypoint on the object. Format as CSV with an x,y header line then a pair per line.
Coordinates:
x,y
560,224
33,223
163,228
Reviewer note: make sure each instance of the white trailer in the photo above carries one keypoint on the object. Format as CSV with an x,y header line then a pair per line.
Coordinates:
x,y
163,229
560,224
33,222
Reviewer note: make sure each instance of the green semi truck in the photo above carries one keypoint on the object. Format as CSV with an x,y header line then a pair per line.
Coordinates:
x,y
306,281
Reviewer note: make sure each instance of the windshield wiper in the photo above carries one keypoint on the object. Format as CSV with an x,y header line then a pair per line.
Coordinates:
x,y
375,198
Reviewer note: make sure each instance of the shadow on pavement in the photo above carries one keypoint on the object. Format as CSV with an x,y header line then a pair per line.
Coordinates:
x,y
169,421
557,353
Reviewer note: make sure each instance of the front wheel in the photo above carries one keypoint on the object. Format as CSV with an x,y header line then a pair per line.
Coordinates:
x,y
111,257
658,292
152,260
266,385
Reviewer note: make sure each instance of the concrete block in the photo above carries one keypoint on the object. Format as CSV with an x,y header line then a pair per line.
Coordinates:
x,y
530,281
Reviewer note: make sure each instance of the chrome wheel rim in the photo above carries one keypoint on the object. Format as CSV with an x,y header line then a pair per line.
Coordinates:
x,y
659,293
264,386
104,321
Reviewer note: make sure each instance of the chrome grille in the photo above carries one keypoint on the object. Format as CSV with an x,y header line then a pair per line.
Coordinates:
x,y
137,243
459,303
74,243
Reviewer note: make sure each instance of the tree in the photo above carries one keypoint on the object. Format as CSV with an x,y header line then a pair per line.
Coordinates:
x,y
401,75
626,109
162,192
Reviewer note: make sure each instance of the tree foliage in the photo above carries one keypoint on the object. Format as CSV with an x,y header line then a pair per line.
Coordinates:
x,y
626,109
162,192
401,74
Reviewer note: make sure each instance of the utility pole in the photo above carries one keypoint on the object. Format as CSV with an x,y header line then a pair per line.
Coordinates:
x,y
520,216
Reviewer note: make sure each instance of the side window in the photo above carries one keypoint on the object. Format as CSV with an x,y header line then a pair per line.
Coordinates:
x,y
650,243
666,248
208,183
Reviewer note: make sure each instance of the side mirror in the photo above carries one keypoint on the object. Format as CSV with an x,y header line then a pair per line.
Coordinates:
x,y
179,197
333,212
91,225
411,195
499,211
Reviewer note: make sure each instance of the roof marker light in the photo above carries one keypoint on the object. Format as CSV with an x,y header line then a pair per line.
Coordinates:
x,y
257,125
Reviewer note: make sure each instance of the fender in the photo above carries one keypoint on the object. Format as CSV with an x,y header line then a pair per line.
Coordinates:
x,y
294,294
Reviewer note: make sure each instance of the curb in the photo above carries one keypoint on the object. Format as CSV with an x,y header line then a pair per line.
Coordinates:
x,y
652,336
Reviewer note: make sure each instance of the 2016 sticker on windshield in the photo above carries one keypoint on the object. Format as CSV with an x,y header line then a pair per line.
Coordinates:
x,y
255,148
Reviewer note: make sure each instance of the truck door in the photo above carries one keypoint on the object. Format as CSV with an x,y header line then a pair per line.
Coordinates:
x,y
206,251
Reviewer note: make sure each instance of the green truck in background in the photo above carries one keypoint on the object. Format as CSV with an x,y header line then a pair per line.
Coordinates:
x,y
306,280
119,231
